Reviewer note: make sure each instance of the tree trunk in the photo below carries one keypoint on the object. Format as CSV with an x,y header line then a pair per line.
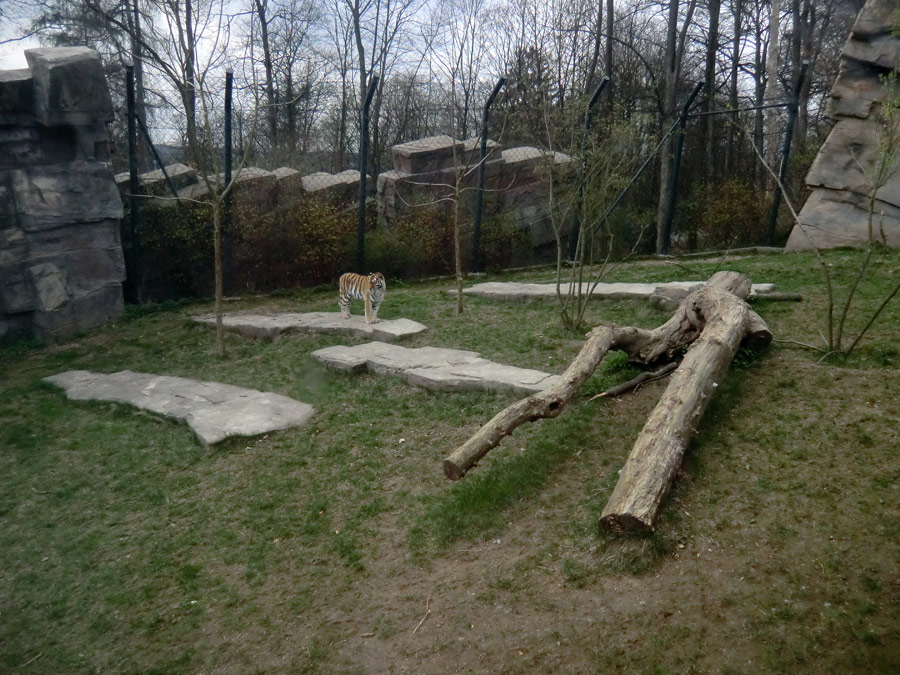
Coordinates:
x,y
759,173
650,469
595,55
712,50
731,151
667,99
189,92
140,96
217,273
271,111
772,91
641,345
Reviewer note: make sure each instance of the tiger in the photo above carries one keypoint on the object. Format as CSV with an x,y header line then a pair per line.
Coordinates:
x,y
369,288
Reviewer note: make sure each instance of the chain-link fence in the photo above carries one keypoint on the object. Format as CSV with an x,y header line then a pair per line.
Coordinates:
x,y
528,179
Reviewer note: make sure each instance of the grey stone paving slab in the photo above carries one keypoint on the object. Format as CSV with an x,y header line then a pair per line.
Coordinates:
x,y
272,325
214,411
502,290
435,368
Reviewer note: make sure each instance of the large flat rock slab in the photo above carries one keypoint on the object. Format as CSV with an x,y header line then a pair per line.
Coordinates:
x,y
435,368
214,411
273,325
505,290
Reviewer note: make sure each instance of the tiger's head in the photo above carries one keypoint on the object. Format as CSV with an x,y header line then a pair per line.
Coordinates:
x,y
376,280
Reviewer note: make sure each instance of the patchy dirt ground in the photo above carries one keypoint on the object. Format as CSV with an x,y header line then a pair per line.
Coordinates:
x,y
778,555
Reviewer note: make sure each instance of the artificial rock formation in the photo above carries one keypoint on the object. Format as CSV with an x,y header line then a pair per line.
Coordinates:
x,y
61,263
836,213
428,170
425,171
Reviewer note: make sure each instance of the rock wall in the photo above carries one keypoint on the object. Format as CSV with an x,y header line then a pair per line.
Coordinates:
x,y
516,181
259,190
61,263
836,213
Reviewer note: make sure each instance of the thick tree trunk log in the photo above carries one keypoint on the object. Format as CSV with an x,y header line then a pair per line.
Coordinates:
x,y
642,346
648,473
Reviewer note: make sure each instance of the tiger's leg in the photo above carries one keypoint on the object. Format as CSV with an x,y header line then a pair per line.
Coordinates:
x,y
344,304
368,308
375,306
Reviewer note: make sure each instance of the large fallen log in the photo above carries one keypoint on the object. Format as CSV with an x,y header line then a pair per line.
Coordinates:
x,y
642,346
659,449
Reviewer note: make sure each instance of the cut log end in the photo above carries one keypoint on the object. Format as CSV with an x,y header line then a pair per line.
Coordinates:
x,y
452,470
619,523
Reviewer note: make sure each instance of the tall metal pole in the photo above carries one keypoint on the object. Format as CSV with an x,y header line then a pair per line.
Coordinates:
x,y
133,286
785,153
482,158
588,122
228,239
363,168
676,167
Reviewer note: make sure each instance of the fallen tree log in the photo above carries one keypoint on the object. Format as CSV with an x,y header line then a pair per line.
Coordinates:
x,y
650,468
641,345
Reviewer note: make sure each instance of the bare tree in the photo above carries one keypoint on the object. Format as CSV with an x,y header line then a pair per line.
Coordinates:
x,y
773,93
712,52
379,28
672,61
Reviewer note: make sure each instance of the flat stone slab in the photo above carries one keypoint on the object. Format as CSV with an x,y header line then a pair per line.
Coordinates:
x,y
435,368
272,325
503,290
214,411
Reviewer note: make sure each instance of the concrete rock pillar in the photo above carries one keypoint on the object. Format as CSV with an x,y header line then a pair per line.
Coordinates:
x,y
61,262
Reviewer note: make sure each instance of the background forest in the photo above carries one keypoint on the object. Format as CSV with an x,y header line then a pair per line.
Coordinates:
x,y
301,68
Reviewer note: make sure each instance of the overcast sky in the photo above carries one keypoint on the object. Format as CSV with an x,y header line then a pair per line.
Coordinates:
x,y
12,26
12,54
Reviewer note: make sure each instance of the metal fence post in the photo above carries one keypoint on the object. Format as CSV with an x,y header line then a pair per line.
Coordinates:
x,y
133,273
588,122
676,167
228,238
479,194
363,167
793,105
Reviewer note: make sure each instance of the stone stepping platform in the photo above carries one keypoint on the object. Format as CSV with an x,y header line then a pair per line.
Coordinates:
x,y
272,325
214,411
503,290
435,368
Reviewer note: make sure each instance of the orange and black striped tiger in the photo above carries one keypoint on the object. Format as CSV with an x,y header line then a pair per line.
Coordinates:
x,y
369,288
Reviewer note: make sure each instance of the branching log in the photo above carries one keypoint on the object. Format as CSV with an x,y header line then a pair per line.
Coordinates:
x,y
641,346
547,403
636,382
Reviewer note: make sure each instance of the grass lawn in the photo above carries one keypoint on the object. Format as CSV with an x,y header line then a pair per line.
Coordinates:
x,y
126,546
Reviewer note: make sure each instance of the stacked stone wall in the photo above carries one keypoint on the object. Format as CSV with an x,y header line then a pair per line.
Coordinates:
x,y
425,171
61,263
516,182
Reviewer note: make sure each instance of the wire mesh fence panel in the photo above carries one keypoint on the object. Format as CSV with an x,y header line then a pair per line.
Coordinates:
x,y
549,170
